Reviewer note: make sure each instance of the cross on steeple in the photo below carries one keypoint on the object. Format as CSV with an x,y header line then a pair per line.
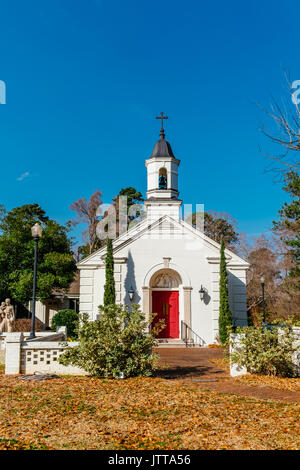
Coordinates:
x,y
162,117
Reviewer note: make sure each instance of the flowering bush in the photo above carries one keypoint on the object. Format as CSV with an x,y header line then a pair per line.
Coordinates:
x,y
266,351
115,345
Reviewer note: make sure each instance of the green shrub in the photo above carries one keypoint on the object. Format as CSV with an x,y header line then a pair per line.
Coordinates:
x,y
290,321
266,351
109,286
115,344
68,318
225,318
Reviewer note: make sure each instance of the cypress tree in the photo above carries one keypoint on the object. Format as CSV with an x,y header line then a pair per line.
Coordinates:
x,y
109,287
225,318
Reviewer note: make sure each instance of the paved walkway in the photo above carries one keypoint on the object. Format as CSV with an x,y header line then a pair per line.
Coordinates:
x,y
190,363
194,365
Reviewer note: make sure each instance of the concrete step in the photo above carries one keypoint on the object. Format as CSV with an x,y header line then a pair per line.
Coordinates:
x,y
176,343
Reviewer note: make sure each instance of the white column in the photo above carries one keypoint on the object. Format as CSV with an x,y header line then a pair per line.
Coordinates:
x,y
235,369
13,353
146,302
187,313
63,331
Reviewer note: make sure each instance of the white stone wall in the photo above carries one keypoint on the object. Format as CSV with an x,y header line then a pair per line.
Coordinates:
x,y
28,357
41,335
43,357
13,353
235,369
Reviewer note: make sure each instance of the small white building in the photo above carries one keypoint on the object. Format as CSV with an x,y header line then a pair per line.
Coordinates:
x,y
165,262
59,300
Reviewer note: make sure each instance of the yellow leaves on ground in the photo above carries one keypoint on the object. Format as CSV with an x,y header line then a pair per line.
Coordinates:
x,y
279,383
222,363
141,413
293,385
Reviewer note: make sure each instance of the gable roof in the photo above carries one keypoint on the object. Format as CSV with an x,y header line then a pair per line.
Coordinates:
x,y
144,226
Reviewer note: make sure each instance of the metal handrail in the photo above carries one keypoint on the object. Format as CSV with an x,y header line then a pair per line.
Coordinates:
x,y
189,336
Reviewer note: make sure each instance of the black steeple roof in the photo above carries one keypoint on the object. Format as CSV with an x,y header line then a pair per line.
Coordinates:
x,y
162,148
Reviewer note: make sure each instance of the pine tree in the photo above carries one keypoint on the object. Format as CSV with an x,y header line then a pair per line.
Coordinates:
x,y
288,227
109,287
225,318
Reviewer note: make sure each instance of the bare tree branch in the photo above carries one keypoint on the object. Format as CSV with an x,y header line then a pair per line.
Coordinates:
x,y
286,117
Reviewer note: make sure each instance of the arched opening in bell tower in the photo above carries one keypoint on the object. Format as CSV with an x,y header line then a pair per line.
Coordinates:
x,y
162,179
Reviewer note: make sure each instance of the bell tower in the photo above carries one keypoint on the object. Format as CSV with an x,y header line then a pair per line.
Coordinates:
x,y
162,179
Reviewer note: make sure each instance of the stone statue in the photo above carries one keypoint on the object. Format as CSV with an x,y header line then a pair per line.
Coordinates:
x,y
10,315
7,316
2,317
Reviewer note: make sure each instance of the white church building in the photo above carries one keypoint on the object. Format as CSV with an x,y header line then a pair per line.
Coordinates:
x,y
166,265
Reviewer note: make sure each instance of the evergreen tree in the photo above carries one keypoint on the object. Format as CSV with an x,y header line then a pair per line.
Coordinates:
x,y
133,196
225,318
134,201
56,264
288,227
109,287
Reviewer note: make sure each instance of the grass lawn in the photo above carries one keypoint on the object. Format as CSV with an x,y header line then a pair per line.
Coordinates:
x,y
88,413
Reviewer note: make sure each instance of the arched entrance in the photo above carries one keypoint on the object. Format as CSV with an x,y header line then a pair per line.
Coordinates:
x,y
164,286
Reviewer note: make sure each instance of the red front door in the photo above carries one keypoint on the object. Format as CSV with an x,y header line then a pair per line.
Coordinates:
x,y
166,305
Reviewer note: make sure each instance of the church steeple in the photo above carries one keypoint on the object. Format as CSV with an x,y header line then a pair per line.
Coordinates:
x,y
162,172
162,169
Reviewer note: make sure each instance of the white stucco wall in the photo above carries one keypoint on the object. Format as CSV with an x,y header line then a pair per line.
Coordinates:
x,y
88,284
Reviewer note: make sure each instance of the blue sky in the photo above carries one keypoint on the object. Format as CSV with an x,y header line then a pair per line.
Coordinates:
x,y
85,80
